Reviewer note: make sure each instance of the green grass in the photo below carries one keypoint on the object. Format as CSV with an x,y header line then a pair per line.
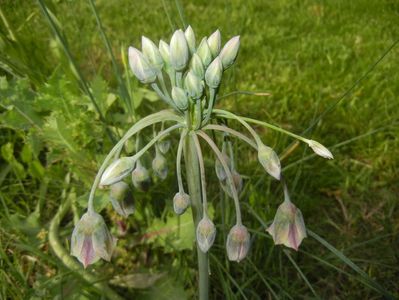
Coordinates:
x,y
307,54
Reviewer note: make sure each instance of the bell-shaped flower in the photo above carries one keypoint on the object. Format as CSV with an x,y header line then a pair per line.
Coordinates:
x,y
141,67
238,242
214,72
179,52
181,201
230,51
319,149
159,165
206,233
121,198
214,41
269,160
117,170
91,240
180,98
288,227
190,37
141,177
193,85
204,52
151,52
196,66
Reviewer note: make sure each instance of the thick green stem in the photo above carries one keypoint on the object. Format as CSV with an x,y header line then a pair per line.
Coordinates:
x,y
194,188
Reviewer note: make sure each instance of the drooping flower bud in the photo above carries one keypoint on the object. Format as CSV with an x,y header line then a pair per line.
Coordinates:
x,y
196,66
141,67
164,144
319,149
269,160
238,183
288,227
219,169
91,240
214,42
229,52
180,98
181,201
206,233
160,166
151,52
204,52
165,52
141,177
238,242
121,198
193,85
117,170
190,37
213,74
178,50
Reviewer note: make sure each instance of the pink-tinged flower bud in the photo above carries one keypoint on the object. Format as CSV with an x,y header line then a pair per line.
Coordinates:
x,y
230,51
91,240
141,177
319,149
190,37
160,166
269,160
151,52
214,43
118,170
178,50
165,52
213,74
288,227
238,242
196,66
193,85
206,233
238,183
181,201
141,67
180,98
204,52
121,198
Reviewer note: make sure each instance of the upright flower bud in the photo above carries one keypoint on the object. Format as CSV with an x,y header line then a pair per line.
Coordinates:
x,y
181,201
230,51
288,227
159,165
190,37
141,67
238,242
196,66
206,233
152,53
269,160
117,170
204,52
213,74
193,85
122,198
319,149
91,240
178,51
165,52
141,177
180,98
214,42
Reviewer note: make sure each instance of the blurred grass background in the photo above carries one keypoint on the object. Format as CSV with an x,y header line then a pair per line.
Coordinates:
x,y
305,53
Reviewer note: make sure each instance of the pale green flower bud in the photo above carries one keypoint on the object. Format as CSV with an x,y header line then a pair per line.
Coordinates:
x,y
220,172
204,52
269,160
160,166
213,74
196,66
178,51
206,233
193,85
181,201
214,42
190,37
288,227
121,198
141,67
230,51
238,183
141,177
165,52
319,149
238,242
164,145
117,170
180,98
152,53
91,240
